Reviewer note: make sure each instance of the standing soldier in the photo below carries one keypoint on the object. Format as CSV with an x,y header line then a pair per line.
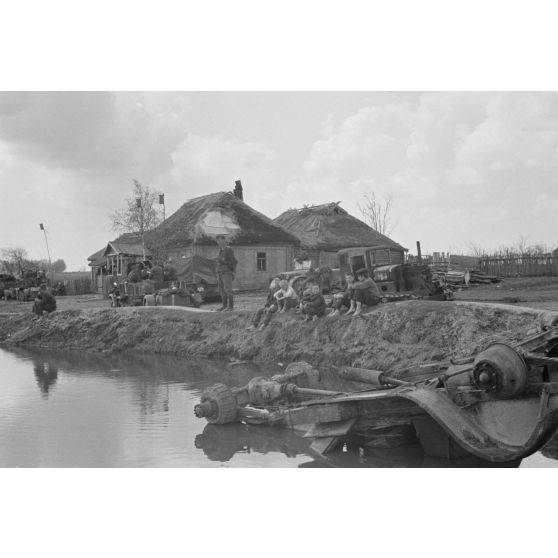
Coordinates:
x,y
226,266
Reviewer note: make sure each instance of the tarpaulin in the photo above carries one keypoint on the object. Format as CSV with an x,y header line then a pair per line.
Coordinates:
x,y
195,269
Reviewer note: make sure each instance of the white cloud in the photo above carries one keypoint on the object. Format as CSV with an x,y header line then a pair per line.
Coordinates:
x,y
449,157
463,167
210,164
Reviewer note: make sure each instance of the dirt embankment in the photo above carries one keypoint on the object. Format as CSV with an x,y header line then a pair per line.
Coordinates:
x,y
391,336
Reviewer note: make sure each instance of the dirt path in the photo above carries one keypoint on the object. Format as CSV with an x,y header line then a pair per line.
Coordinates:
x,y
534,292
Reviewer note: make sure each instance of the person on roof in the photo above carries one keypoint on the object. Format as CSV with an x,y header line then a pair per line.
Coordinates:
x,y
226,267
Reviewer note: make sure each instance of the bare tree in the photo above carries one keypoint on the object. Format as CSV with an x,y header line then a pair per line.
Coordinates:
x,y
14,260
138,216
377,213
538,249
522,246
476,250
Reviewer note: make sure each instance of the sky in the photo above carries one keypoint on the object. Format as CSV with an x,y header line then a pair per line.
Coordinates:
x,y
464,170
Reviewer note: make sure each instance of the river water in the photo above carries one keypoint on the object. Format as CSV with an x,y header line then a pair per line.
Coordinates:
x,y
68,409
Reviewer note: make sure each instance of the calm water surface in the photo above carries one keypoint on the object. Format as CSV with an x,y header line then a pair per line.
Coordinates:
x,y
63,409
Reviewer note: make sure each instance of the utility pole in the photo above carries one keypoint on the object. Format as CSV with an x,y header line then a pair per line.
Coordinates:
x,y
162,202
42,227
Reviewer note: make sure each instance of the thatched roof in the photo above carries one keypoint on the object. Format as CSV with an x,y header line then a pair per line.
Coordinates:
x,y
329,227
199,219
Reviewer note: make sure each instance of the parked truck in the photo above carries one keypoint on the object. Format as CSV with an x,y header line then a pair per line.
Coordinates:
x,y
396,279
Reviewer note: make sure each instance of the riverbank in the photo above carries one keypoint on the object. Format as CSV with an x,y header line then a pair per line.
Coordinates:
x,y
390,336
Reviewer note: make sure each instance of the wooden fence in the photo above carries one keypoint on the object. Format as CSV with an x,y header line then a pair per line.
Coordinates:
x,y
75,283
521,265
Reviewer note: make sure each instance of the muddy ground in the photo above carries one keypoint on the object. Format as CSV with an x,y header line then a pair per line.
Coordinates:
x,y
533,292
391,336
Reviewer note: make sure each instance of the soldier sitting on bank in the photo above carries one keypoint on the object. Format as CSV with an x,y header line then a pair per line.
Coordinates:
x,y
365,292
267,311
344,298
44,302
313,304
286,297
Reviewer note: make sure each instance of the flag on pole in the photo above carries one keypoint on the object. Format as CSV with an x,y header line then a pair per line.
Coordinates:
x,y
161,199
41,226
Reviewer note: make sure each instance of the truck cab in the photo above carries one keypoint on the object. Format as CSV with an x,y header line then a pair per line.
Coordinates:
x,y
395,278
353,259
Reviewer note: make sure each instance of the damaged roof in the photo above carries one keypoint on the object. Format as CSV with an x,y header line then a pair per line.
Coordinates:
x,y
200,219
330,227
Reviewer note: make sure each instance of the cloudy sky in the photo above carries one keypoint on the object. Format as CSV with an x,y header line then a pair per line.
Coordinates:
x,y
463,169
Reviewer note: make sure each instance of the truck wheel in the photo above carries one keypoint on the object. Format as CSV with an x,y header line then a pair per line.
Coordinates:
x,y
223,403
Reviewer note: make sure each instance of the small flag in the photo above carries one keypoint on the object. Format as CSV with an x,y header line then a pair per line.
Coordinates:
x,y
138,202
161,199
41,226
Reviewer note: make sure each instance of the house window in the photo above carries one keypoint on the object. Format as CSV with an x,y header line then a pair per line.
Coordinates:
x,y
261,261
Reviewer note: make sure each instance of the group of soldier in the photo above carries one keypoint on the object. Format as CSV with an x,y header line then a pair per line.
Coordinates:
x,y
282,297
357,293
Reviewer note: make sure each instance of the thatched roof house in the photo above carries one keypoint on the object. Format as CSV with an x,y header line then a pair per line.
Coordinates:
x,y
325,229
262,247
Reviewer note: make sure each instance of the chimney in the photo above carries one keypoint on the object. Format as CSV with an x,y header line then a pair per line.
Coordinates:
x,y
238,190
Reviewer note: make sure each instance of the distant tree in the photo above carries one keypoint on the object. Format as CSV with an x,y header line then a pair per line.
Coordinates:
x,y
14,260
476,250
59,266
377,213
138,217
522,246
538,249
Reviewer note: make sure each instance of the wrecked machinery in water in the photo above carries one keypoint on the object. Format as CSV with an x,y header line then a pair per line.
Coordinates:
x,y
500,405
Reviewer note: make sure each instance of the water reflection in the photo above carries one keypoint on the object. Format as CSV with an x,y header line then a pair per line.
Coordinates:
x,y
99,410
222,442
46,375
